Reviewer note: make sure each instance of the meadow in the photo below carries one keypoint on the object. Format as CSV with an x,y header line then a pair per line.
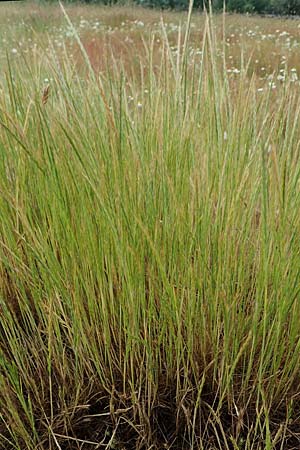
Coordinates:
x,y
150,229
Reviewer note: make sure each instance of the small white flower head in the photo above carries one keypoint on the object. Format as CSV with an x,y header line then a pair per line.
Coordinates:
x,y
139,105
14,51
225,136
294,77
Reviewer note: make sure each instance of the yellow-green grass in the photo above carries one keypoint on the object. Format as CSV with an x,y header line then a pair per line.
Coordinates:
x,y
149,233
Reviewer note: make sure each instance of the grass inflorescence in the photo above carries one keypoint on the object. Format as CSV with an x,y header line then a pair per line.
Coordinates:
x,y
149,251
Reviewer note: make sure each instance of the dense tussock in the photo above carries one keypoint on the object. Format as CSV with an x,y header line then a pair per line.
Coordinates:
x,y
149,253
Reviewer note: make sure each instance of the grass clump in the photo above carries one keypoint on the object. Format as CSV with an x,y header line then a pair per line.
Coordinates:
x,y
149,255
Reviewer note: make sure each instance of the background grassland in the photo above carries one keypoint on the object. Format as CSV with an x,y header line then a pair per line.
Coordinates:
x,y
149,233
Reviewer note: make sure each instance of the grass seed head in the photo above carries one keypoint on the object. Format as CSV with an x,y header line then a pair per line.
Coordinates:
x,y
45,95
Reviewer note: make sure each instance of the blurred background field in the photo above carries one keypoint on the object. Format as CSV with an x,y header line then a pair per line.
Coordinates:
x,y
268,46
